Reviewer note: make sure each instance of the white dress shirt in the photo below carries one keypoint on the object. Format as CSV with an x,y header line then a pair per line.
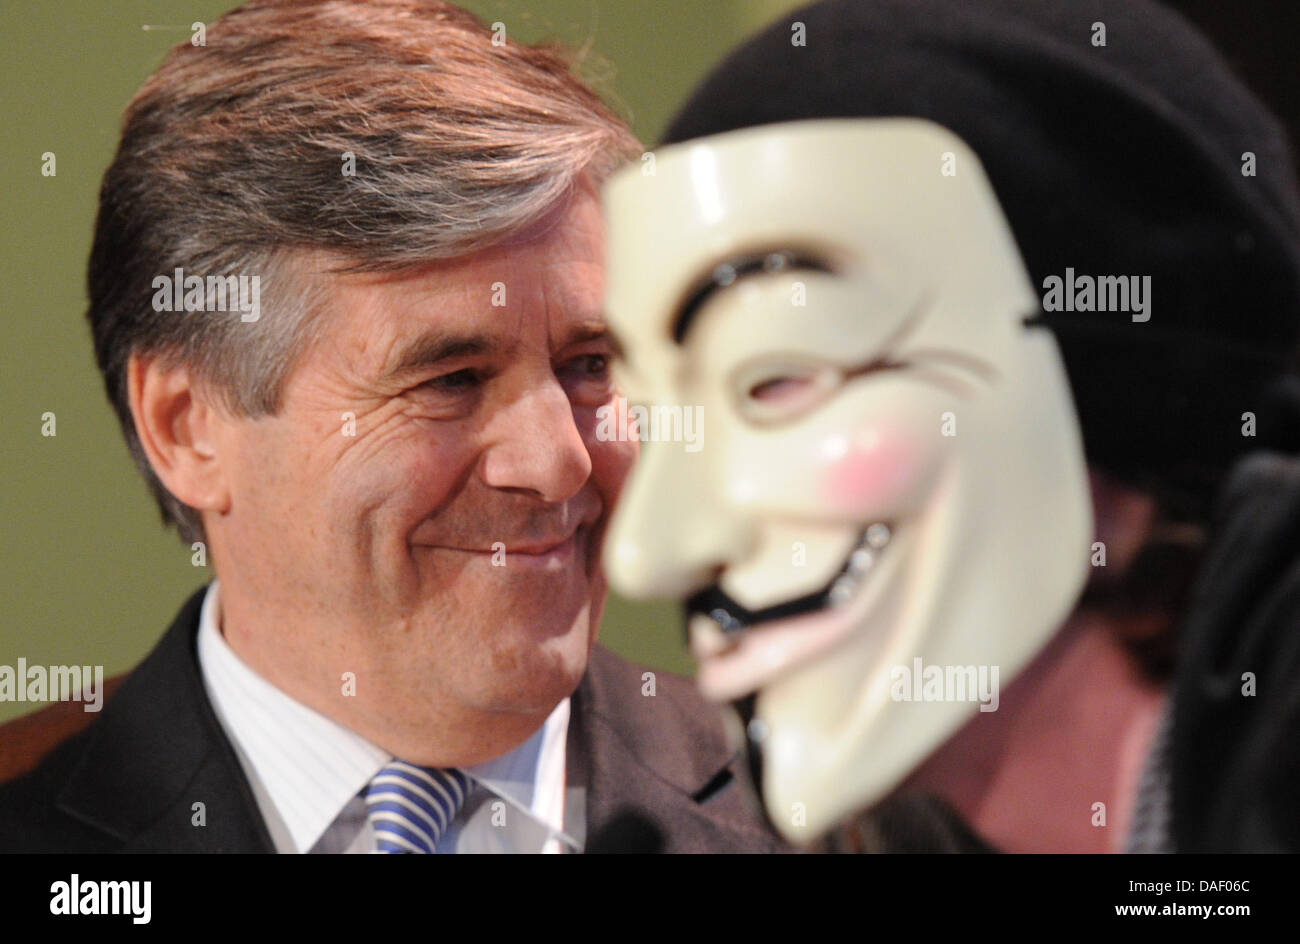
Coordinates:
x,y
308,772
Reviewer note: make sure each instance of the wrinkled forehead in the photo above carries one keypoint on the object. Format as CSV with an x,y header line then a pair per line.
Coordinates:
x,y
900,201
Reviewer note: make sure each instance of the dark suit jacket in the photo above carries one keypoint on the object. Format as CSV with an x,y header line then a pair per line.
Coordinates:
x,y
129,781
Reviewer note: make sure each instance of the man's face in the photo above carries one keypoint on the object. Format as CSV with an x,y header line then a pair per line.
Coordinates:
x,y
427,510
890,466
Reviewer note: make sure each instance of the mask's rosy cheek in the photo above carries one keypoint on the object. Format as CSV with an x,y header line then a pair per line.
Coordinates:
x,y
877,474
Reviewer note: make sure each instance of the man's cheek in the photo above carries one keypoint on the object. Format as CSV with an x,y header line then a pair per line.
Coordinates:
x,y
611,464
390,493
612,456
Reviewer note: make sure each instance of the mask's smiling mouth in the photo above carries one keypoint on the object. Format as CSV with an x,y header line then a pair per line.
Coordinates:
x,y
741,651
733,618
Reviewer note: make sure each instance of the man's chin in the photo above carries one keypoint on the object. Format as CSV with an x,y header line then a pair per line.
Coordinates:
x,y
536,700
533,679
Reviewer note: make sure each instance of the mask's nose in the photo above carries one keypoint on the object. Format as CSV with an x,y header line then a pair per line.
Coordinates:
x,y
671,531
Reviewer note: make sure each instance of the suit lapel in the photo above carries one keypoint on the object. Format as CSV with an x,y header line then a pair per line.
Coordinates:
x,y
663,755
157,772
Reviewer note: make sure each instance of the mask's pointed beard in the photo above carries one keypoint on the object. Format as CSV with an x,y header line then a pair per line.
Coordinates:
x,y
751,771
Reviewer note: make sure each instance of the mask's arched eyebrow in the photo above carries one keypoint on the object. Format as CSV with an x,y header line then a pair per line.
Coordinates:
x,y
730,271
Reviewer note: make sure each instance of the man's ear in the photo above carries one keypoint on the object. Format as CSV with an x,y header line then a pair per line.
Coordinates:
x,y
179,429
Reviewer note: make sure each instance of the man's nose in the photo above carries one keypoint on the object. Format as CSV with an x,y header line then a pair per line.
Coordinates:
x,y
535,446
671,534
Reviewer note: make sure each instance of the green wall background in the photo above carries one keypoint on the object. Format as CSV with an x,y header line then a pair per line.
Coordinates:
x,y
87,573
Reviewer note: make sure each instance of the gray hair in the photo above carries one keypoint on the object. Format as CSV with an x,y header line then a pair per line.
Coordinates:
x,y
232,162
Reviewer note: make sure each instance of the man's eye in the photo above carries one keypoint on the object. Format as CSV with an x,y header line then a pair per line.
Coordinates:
x,y
587,377
595,365
587,367
455,382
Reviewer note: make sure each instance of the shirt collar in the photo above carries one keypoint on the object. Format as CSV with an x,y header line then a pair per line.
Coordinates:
x,y
311,766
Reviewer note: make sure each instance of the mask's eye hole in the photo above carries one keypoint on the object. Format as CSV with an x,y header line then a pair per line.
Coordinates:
x,y
777,390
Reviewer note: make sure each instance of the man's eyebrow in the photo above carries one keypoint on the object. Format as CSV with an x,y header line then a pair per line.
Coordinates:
x,y
588,331
732,270
432,347
435,346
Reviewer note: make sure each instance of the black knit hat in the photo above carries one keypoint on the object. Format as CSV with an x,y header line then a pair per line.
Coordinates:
x,y
1119,159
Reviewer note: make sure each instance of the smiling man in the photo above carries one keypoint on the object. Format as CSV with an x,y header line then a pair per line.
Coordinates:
x,y
390,460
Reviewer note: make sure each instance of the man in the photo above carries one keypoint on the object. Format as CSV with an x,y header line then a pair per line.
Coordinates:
x,y
345,293
992,310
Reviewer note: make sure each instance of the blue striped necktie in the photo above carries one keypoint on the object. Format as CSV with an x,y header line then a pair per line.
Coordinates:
x,y
410,806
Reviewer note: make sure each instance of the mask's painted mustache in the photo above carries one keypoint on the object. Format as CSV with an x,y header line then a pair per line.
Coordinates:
x,y
734,617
